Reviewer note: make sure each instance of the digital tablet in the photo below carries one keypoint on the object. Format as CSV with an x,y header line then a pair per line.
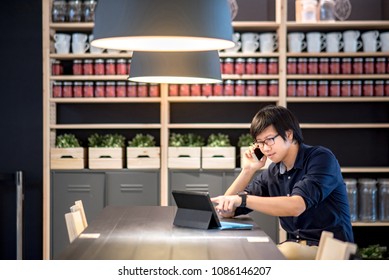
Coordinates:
x,y
195,210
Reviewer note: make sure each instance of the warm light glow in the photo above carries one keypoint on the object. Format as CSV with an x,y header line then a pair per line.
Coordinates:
x,y
174,80
162,43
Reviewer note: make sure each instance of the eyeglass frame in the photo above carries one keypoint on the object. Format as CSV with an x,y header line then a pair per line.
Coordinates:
x,y
268,141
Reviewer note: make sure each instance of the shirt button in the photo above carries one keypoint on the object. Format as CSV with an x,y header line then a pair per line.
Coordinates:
x,y
288,177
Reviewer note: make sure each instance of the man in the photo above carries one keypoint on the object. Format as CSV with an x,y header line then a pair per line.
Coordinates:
x,y
303,186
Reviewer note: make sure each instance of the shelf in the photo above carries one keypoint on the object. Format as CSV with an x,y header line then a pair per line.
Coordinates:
x,y
344,125
72,56
339,54
89,78
372,224
106,126
337,99
338,77
249,77
255,54
255,26
338,25
222,99
107,100
209,126
365,169
72,26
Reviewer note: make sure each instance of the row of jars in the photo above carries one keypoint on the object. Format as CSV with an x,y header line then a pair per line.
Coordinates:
x,y
69,89
335,88
73,11
368,199
227,88
250,66
94,67
335,66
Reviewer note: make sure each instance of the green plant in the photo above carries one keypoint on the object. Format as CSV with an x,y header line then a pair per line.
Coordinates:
x,y
186,140
245,140
142,140
106,141
218,140
67,140
372,252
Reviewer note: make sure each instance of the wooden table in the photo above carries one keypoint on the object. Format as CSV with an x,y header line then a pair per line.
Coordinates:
x,y
148,233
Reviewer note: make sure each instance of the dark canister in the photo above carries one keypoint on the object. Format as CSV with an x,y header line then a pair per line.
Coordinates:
x,y
383,199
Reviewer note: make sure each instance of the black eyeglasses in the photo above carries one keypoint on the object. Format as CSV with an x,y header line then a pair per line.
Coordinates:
x,y
269,141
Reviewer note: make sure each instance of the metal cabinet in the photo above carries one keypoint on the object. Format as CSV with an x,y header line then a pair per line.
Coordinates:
x,y
67,187
133,188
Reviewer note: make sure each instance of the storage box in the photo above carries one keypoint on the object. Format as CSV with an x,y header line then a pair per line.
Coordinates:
x,y
67,158
106,158
184,157
143,157
242,151
218,157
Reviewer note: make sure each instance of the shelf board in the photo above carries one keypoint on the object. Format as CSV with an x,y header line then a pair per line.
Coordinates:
x,y
107,100
209,126
106,126
339,54
255,25
72,26
338,25
71,56
337,99
365,169
343,125
222,99
255,54
249,77
372,224
89,78
338,77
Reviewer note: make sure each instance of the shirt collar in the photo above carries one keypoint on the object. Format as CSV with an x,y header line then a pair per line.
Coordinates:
x,y
298,164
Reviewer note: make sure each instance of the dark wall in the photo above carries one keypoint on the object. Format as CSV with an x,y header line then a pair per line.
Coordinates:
x,y
21,122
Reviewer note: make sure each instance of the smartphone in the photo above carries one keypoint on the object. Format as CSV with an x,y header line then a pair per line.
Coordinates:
x,y
258,153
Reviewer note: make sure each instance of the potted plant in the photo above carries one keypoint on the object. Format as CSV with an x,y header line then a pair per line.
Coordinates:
x,y
142,152
185,151
106,151
218,154
68,153
373,252
244,142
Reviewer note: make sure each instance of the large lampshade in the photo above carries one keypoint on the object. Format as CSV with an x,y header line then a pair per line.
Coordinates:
x,y
163,25
176,67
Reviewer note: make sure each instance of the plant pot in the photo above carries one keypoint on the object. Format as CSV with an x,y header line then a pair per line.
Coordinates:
x,y
106,158
184,157
67,158
218,157
143,157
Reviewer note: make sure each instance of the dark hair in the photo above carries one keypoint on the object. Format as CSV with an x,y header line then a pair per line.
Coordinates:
x,y
281,118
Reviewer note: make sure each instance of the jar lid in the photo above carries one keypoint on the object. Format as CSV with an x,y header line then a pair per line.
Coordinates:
x,y
121,83
240,60
240,82
88,83
369,59
379,82
274,82
291,82
77,61
88,61
383,181
323,82
273,59
67,83
358,59
228,59
250,59
348,59
367,181
251,82
121,60
110,60
229,82
77,83
369,82
292,59
261,60
324,59
312,82
99,60
110,83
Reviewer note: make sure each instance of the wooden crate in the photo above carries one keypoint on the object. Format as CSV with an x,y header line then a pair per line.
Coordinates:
x,y
106,158
242,151
67,158
143,157
218,157
184,157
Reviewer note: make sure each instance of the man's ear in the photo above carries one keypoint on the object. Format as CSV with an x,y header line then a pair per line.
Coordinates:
x,y
289,134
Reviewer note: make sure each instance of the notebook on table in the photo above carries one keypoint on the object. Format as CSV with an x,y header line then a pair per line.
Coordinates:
x,y
195,210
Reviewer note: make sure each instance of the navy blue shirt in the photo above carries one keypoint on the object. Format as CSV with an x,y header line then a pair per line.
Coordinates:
x,y
317,178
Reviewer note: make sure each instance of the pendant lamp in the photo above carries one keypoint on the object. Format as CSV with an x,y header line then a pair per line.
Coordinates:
x,y
163,25
198,67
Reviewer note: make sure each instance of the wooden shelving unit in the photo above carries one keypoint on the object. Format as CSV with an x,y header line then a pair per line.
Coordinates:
x,y
165,125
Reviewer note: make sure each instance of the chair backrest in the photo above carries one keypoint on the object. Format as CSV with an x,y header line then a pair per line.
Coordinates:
x,y
331,248
78,206
74,224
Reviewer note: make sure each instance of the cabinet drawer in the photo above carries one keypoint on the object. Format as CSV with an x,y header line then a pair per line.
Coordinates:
x,y
67,187
133,188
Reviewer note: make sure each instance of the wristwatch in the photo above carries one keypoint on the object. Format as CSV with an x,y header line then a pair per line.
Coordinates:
x,y
243,195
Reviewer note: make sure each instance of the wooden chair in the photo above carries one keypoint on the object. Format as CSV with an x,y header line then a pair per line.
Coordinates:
x,y
78,206
331,248
74,224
